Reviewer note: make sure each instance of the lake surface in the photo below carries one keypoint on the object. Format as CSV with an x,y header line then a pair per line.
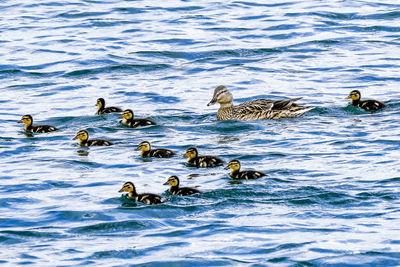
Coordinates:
x,y
331,197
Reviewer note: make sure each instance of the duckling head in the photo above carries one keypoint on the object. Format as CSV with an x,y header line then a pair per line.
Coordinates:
x,y
127,114
144,146
222,96
191,153
354,95
233,164
82,136
128,187
100,103
27,119
173,181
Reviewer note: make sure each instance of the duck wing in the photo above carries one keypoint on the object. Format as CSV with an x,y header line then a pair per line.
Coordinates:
x,y
285,104
372,105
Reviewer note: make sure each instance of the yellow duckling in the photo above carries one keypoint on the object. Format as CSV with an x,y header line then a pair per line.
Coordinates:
x,y
83,137
237,174
201,161
156,153
27,119
146,198
129,121
259,109
368,105
102,109
180,191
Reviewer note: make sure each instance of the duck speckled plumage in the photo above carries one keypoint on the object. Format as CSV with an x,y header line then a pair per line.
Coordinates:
x,y
102,109
129,121
155,153
180,191
201,161
237,174
28,120
258,109
83,137
146,198
368,105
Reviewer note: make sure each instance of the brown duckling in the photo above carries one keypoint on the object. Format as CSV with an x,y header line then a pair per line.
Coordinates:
x,y
28,120
156,153
368,105
180,191
129,121
237,174
102,109
83,137
146,198
201,161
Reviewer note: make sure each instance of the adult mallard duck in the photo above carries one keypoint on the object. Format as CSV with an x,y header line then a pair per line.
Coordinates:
x,y
180,191
237,174
146,198
156,153
129,121
102,109
83,137
258,109
201,161
28,120
368,105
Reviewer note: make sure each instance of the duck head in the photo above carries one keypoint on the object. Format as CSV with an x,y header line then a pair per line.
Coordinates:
x,y
354,95
127,114
221,95
234,165
191,153
82,136
173,181
144,146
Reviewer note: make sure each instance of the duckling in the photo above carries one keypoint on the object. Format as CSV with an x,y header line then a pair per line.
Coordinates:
x,y
83,137
180,191
156,153
146,198
129,121
27,119
103,109
237,174
258,109
368,105
201,161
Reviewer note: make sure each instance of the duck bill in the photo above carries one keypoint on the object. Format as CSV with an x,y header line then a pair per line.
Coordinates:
x,y
138,148
184,155
120,191
166,183
212,102
20,121
227,168
76,137
347,97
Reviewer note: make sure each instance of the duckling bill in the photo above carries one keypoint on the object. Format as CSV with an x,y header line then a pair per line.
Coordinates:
x,y
146,198
237,174
130,121
156,153
83,137
28,120
368,105
258,109
102,109
201,161
180,191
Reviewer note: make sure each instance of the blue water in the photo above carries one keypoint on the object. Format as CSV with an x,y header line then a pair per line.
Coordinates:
x,y
331,197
